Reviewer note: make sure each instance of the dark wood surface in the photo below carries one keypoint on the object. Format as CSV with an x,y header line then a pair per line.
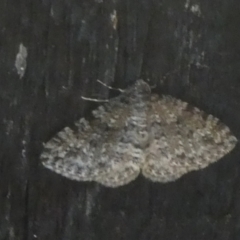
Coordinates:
x,y
189,50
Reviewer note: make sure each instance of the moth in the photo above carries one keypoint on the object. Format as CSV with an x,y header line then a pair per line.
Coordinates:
x,y
138,132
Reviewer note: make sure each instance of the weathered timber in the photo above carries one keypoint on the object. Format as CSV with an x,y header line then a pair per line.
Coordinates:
x,y
52,53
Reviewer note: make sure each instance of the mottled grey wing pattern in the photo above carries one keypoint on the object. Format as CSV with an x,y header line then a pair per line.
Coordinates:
x,y
103,149
184,139
163,137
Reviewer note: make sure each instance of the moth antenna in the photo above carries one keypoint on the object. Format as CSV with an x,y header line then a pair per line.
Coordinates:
x,y
94,100
105,85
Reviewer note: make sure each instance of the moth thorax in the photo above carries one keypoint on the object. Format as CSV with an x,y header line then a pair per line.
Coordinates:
x,y
142,139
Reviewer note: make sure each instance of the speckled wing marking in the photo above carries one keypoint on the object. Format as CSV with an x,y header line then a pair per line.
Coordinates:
x,y
185,139
163,137
106,149
119,175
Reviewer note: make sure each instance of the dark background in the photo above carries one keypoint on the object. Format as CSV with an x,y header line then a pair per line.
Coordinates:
x,y
189,49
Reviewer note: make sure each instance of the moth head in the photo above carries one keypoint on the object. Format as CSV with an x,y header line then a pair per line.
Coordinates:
x,y
139,91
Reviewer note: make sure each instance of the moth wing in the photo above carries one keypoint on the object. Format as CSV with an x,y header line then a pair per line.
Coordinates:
x,y
119,175
184,139
97,148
